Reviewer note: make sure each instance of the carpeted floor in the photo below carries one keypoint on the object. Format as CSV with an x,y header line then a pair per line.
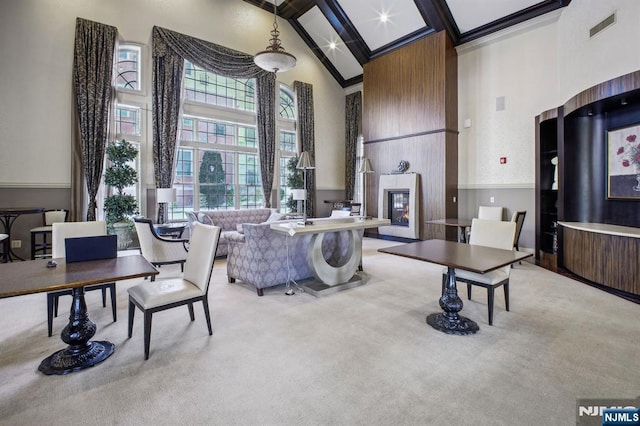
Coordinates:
x,y
364,356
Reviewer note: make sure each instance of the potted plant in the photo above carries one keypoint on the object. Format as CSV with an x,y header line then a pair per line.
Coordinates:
x,y
120,207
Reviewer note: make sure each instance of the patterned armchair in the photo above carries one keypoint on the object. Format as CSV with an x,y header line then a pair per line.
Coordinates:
x,y
265,258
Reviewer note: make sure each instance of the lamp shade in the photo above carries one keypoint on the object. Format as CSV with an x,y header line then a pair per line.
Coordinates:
x,y
365,167
166,195
275,61
299,194
305,161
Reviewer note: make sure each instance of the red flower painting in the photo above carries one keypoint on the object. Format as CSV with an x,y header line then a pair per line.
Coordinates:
x,y
630,153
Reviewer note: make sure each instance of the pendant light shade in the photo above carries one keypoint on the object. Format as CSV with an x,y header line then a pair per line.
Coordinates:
x,y
274,58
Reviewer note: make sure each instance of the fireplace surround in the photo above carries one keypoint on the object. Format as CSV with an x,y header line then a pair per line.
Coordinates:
x,y
398,202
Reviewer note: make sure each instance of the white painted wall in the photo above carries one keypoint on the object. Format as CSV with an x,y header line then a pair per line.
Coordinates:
x,y
536,66
584,62
534,69
519,65
36,47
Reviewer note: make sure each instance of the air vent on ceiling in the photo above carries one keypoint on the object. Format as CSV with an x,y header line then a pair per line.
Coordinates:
x,y
606,22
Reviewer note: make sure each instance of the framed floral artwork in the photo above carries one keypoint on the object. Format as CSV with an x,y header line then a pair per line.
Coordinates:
x,y
623,163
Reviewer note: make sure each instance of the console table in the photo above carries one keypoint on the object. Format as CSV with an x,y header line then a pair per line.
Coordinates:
x,y
332,278
602,253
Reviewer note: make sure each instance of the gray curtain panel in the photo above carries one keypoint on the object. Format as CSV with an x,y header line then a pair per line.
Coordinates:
x,y
171,48
92,73
304,99
353,120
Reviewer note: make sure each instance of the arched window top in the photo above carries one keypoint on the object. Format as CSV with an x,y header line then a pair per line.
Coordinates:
x,y
287,107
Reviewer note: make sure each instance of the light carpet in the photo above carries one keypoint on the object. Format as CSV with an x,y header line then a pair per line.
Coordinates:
x,y
364,356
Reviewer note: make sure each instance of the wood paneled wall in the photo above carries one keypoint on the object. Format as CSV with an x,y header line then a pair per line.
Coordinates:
x,y
410,112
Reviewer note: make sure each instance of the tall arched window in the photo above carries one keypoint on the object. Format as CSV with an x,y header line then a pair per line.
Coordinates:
x,y
218,166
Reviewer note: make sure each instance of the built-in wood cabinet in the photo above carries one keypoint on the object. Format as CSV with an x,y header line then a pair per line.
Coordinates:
x,y
547,173
577,133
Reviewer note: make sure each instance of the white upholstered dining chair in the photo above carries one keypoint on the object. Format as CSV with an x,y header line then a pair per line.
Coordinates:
x,y
192,287
159,250
49,217
59,232
488,233
490,213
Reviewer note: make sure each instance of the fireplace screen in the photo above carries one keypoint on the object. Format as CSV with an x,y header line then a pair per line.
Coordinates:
x,y
399,207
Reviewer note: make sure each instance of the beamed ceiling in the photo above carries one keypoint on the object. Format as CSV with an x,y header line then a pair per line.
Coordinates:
x,y
355,30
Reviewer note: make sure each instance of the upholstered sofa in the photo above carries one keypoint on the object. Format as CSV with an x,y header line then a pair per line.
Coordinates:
x,y
228,221
264,258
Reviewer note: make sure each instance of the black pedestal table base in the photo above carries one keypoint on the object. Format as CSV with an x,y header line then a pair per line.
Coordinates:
x,y
449,321
81,352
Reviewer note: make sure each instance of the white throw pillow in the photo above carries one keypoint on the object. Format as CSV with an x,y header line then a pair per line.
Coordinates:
x,y
275,216
204,218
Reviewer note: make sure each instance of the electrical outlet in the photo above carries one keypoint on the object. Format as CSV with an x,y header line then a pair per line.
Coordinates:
x,y
492,199
454,199
16,243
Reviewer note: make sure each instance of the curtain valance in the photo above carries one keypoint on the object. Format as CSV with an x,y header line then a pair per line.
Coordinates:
x,y
170,49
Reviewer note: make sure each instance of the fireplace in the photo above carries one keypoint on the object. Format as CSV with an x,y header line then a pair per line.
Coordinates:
x,y
398,205
398,201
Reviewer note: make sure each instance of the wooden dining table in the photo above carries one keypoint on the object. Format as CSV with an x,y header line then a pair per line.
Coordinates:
x,y
36,276
461,224
453,255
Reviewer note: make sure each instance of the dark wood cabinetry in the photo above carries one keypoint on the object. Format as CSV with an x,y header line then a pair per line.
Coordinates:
x,y
576,133
547,205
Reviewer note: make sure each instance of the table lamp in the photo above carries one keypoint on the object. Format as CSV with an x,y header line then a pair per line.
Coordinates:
x,y
165,195
304,164
299,195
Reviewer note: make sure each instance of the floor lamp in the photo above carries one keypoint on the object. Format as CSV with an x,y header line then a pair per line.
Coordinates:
x,y
304,164
166,196
365,169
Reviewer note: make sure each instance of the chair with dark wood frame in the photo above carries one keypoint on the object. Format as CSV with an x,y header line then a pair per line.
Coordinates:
x,y
192,287
63,230
42,247
488,233
518,218
160,250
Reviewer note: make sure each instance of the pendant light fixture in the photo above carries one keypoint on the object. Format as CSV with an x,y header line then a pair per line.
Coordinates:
x,y
274,58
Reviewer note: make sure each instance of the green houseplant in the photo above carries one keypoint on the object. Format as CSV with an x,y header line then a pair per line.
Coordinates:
x,y
119,207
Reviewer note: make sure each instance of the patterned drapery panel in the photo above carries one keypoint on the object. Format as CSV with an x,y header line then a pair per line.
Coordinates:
x,y
304,99
353,120
266,121
92,71
167,79
170,47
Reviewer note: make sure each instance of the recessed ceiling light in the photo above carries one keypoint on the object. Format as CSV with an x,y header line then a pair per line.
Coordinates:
x,y
383,17
332,45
